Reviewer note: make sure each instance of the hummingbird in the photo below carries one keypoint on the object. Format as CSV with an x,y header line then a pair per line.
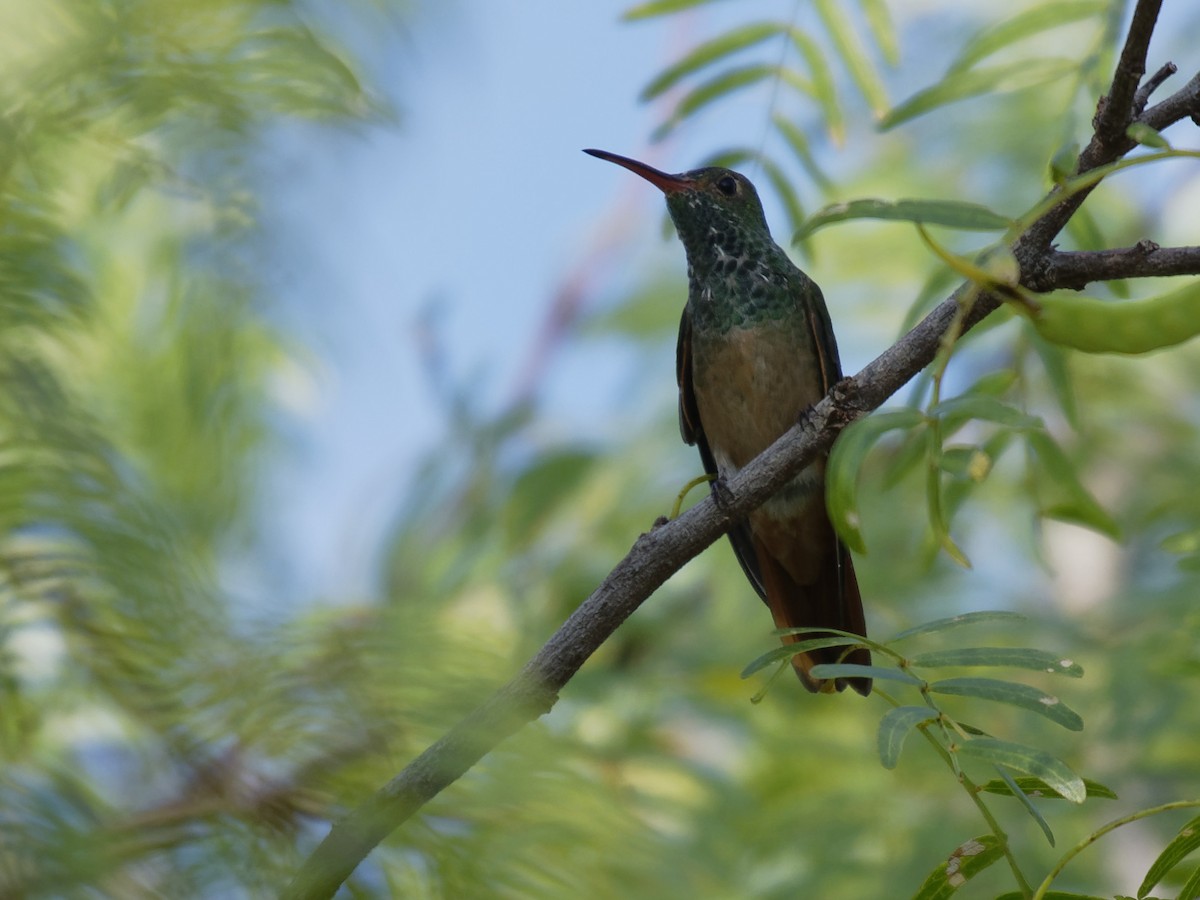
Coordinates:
x,y
756,349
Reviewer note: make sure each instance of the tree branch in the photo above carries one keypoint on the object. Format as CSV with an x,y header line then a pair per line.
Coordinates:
x,y
1075,269
658,554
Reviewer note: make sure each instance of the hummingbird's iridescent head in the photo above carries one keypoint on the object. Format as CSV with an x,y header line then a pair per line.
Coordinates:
x,y
706,204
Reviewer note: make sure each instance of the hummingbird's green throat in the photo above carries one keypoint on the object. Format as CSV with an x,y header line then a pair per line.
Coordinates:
x,y
737,274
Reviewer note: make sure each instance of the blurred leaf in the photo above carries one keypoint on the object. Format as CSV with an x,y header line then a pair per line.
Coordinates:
x,y
971,618
854,670
974,82
967,861
1013,693
1147,136
894,728
1062,495
799,144
957,411
787,651
1035,787
1015,657
722,85
661,8
705,54
1026,24
879,20
542,488
950,213
1180,847
853,55
846,459
1029,760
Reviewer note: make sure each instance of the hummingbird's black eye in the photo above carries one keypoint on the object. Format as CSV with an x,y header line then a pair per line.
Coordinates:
x,y
727,185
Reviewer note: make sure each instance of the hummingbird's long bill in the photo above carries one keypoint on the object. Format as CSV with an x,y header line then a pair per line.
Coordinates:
x,y
665,182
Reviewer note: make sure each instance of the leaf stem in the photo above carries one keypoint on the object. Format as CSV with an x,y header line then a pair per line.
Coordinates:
x,y
1099,833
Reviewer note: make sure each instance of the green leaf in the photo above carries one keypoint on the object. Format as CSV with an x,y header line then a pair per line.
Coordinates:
x,y
720,86
972,83
1062,495
1029,760
799,145
1015,657
1054,361
1052,895
660,8
1021,796
1180,847
971,618
894,728
1035,787
879,20
957,411
950,213
967,861
846,459
823,84
539,491
1033,21
1147,136
709,52
853,55
854,670
1191,887
787,651
1014,694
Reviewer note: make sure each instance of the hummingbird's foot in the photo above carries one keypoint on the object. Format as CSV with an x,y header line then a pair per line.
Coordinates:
x,y
807,419
683,493
721,493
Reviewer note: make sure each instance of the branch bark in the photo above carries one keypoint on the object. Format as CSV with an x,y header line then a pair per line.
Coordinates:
x,y
659,553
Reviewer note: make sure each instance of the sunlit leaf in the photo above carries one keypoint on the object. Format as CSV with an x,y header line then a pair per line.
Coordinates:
x,y
1029,760
1013,693
1035,787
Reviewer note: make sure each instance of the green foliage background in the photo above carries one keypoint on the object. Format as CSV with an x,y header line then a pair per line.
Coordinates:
x,y
153,745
